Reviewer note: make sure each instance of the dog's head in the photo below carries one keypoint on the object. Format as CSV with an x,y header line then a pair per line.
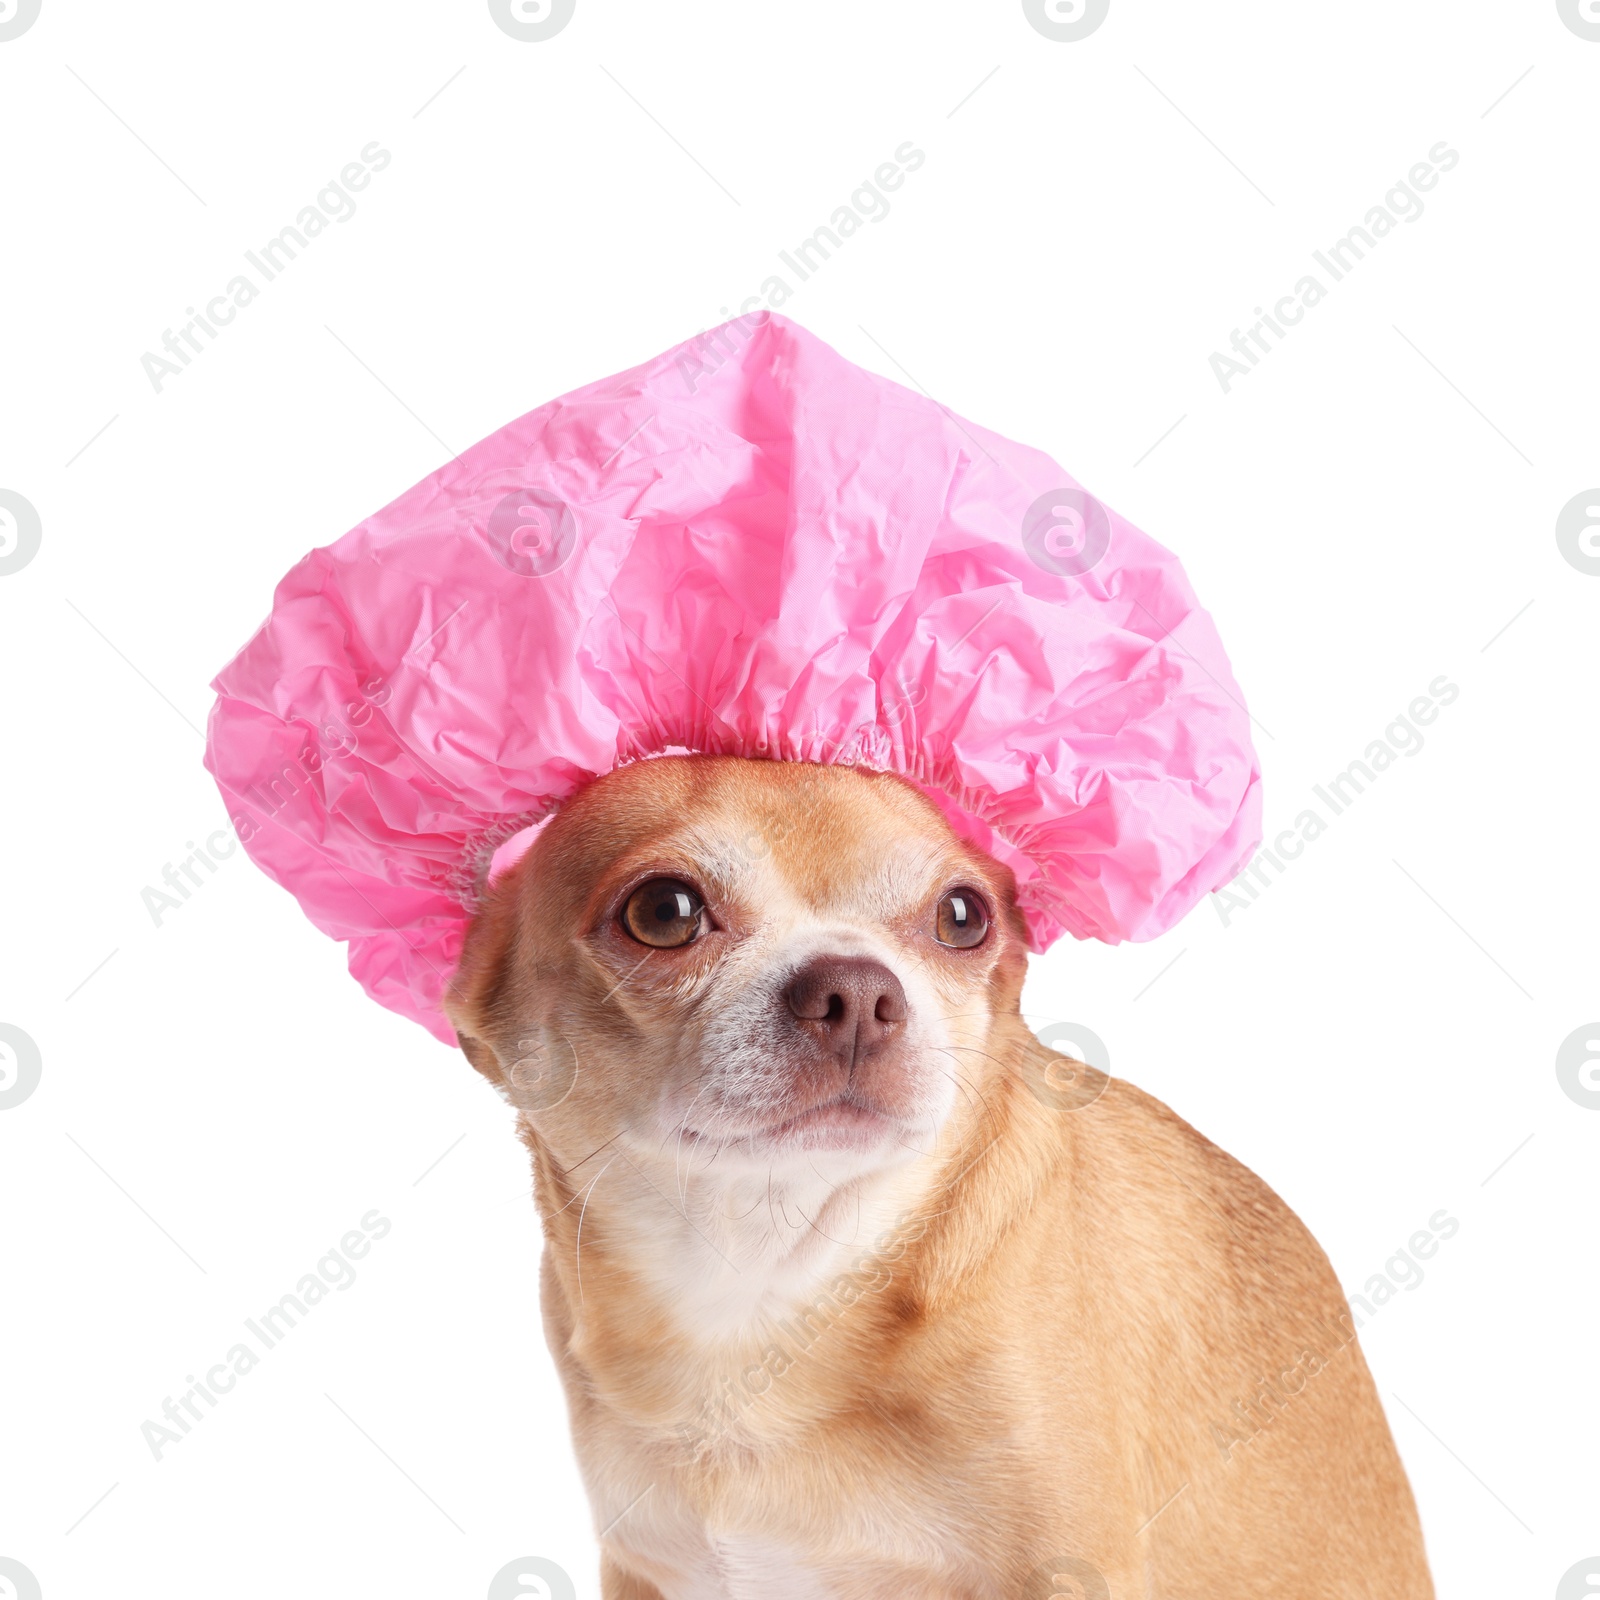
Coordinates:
x,y
755,965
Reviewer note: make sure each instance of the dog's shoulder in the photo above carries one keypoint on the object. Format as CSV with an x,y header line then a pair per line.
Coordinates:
x,y
1104,1196
1151,1177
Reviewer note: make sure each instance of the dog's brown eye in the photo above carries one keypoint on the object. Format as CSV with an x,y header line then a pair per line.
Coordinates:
x,y
663,913
963,919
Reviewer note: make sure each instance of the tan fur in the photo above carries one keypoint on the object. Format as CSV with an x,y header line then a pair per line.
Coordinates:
x,y
1074,1352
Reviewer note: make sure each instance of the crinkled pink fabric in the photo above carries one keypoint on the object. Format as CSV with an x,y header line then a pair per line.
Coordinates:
x,y
751,546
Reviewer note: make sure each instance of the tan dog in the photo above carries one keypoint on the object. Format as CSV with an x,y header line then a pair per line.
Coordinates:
x,y
855,1288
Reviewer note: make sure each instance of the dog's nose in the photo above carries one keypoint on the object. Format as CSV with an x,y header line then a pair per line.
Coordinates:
x,y
852,1002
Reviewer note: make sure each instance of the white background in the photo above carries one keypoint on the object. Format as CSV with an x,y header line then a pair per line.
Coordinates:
x,y
1369,509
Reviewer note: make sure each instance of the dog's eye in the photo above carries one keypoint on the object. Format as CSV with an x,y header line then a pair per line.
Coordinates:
x,y
663,913
963,919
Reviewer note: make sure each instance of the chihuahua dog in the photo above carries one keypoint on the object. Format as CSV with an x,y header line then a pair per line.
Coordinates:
x,y
856,1289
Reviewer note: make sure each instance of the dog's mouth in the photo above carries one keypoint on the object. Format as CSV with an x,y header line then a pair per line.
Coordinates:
x,y
845,1122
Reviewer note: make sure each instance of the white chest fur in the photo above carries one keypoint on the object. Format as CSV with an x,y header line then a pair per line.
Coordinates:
x,y
776,1271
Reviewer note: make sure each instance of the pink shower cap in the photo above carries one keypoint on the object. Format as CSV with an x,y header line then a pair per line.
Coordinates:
x,y
752,547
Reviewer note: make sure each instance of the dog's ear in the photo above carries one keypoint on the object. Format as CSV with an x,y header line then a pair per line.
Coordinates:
x,y
478,997
480,1055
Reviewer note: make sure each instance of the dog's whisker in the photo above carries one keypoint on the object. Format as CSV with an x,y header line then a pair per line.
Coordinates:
x,y
970,1090
770,1212
955,1077
675,1137
568,1171
578,1247
682,1211
681,1179
816,1228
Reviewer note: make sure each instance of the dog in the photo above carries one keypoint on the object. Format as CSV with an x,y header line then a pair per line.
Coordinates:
x,y
855,1288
